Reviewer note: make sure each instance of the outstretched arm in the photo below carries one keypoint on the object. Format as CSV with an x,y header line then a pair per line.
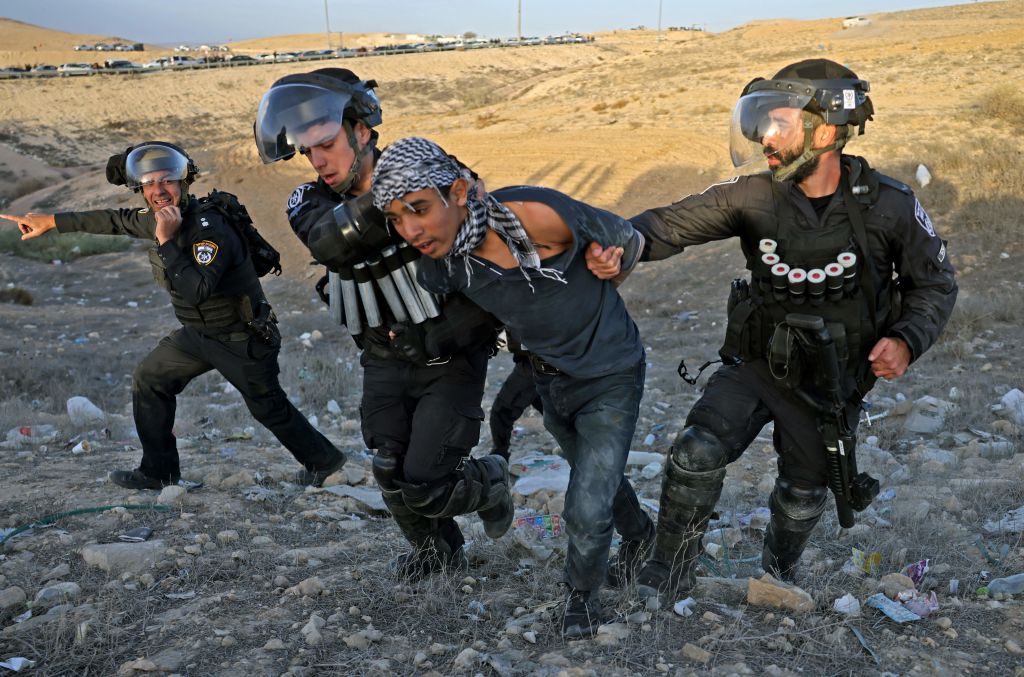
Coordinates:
x,y
32,225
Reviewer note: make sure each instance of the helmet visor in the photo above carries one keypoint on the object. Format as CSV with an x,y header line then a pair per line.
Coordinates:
x,y
763,121
295,117
151,163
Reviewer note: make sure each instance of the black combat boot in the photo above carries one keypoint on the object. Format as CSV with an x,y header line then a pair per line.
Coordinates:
x,y
688,498
136,479
583,614
315,477
795,512
497,511
436,544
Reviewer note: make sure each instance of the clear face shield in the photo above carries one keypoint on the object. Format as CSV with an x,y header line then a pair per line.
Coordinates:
x,y
294,117
149,164
767,129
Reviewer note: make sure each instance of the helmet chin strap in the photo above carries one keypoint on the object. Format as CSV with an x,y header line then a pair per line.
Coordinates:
x,y
784,173
360,153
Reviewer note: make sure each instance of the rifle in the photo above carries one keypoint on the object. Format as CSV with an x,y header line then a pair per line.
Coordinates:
x,y
853,491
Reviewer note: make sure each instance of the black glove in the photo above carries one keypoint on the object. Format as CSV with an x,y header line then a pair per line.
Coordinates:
x,y
408,342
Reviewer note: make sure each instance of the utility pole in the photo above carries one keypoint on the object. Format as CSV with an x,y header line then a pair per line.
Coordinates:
x,y
327,24
660,37
519,22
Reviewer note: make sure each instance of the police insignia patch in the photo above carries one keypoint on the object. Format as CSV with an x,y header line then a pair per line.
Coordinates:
x,y
204,252
922,218
296,197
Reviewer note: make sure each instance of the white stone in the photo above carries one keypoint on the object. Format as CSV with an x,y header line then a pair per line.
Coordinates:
x,y
171,495
923,176
119,558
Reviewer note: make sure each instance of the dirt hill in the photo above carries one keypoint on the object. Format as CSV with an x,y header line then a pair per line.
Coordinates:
x,y
251,575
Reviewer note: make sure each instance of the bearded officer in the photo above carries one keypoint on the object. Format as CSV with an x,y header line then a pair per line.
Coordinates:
x,y
849,283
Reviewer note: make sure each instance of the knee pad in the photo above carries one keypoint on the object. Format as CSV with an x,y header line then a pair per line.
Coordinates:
x,y
463,491
696,469
387,468
698,450
795,503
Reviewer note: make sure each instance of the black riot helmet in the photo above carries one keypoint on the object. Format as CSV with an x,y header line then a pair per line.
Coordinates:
x,y
304,110
820,89
151,161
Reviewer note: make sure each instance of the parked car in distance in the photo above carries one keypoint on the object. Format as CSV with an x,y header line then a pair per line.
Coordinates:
x,y
75,69
44,68
123,64
242,58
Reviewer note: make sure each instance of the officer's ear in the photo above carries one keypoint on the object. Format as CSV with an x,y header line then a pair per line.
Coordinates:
x,y
362,133
824,135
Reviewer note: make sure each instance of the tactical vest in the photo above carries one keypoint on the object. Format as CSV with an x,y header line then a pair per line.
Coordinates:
x,y
231,307
758,308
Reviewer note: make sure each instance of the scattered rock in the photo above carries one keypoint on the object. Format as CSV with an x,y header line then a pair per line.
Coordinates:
x,y
769,592
467,659
172,495
612,634
274,644
120,558
928,415
311,587
57,593
12,597
893,584
695,653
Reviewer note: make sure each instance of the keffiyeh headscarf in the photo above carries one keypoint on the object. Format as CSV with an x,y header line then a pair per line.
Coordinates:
x,y
414,163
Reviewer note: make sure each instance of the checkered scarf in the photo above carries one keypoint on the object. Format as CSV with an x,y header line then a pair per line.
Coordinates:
x,y
414,163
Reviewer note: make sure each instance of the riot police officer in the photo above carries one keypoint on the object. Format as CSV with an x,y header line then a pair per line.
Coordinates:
x,y
199,256
849,283
424,358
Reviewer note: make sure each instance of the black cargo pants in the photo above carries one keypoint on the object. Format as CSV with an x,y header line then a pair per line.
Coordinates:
x,y
249,364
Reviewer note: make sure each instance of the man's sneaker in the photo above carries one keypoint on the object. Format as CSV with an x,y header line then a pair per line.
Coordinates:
x,y
499,511
421,563
315,478
583,614
623,568
135,479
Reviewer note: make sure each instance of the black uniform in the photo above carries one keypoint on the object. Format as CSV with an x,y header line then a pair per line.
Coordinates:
x,y
215,292
907,291
420,409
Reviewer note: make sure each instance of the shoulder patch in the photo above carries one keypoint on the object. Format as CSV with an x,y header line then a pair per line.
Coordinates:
x,y
295,199
922,218
893,183
941,256
204,252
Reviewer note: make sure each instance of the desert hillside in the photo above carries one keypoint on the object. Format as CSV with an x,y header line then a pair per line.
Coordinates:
x,y
251,575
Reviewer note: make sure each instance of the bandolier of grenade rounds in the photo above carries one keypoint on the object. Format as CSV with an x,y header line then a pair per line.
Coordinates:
x,y
393,272
798,286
